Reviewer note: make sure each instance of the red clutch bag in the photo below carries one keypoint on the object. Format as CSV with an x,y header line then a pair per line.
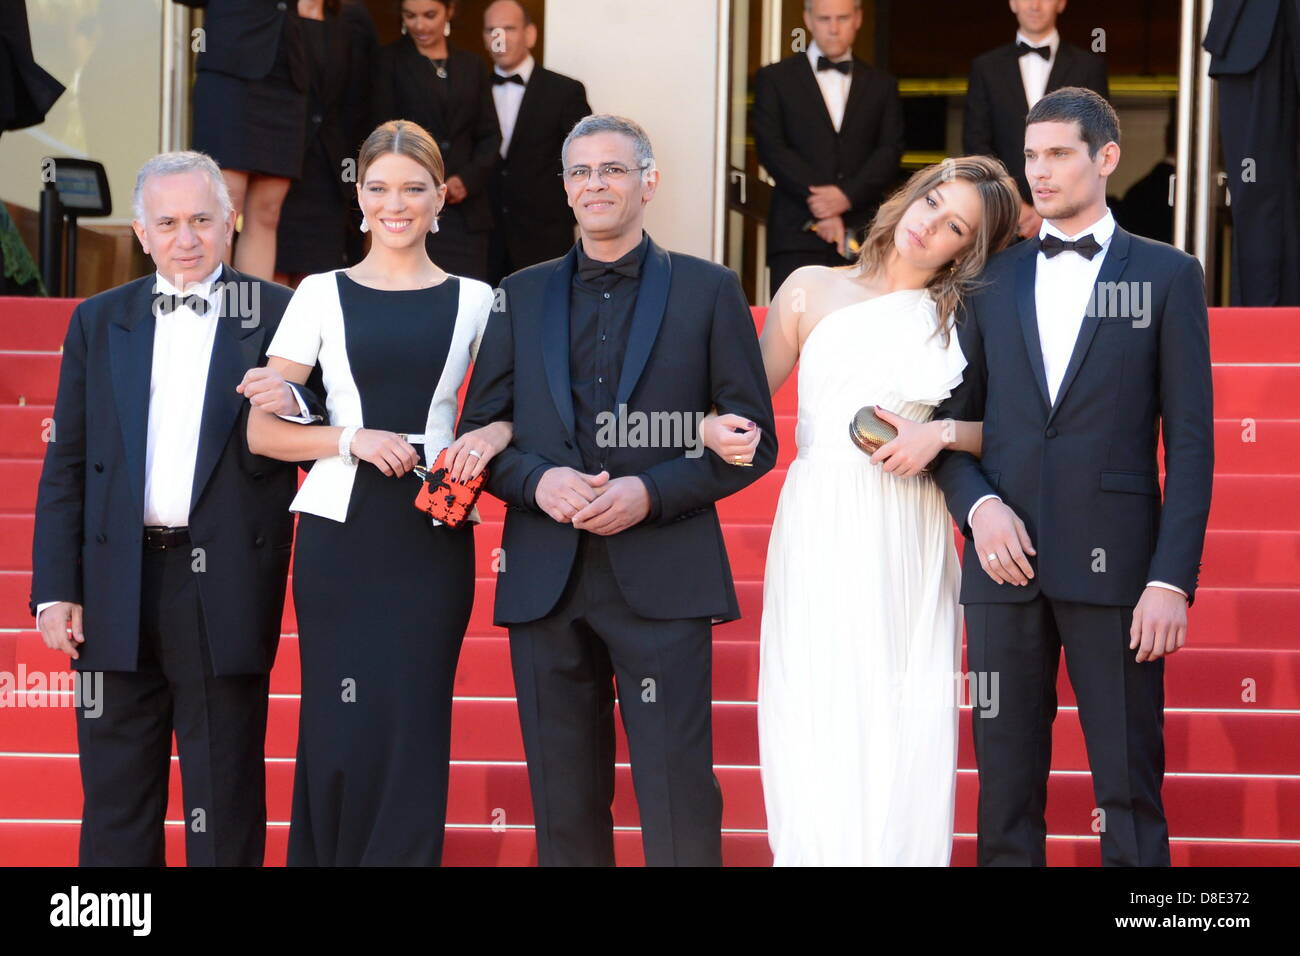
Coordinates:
x,y
442,498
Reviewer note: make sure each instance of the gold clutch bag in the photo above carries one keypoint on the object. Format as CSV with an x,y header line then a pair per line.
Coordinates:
x,y
869,431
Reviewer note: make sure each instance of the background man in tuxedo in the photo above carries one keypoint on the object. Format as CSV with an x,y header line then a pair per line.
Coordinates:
x,y
614,562
1255,60
1082,346
536,108
162,544
829,128
1007,82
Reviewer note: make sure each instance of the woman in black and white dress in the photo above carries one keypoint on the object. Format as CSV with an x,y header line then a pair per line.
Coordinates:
x,y
383,592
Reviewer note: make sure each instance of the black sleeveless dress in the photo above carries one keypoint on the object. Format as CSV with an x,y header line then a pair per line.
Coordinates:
x,y
383,600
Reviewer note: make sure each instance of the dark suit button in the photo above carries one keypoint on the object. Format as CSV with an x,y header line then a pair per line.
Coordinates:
x,y
505,209
259,541
504,171
282,5
99,466
257,474
444,146
316,118
1051,433
101,537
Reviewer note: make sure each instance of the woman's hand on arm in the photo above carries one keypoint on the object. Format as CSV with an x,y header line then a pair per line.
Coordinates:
x,y
268,388
919,442
488,441
719,434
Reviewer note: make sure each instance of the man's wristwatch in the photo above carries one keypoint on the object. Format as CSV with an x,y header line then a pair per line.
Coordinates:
x,y
345,444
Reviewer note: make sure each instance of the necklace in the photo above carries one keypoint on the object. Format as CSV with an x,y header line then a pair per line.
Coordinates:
x,y
441,66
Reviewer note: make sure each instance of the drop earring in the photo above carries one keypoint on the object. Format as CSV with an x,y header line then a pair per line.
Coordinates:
x,y
446,29
403,29
434,227
365,225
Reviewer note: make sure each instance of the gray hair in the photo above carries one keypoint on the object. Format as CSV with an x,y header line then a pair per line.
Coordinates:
x,y
609,123
181,161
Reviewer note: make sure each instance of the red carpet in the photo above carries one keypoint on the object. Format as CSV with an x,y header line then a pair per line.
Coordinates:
x,y
1232,790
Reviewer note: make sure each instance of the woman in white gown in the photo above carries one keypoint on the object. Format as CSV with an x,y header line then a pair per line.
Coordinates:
x,y
861,631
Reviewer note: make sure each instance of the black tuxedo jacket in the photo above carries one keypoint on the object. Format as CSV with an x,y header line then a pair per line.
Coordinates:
x,y
88,544
241,36
1237,40
463,121
691,345
528,196
799,146
994,123
1082,474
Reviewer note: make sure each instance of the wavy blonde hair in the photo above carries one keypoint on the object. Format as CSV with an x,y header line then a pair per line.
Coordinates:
x,y
954,282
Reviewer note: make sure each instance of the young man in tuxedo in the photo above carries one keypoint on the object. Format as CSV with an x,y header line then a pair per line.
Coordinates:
x,y
1007,82
161,545
614,564
1082,345
1255,61
536,108
829,128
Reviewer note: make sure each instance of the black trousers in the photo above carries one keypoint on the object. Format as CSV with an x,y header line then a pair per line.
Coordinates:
x,y
1121,708
783,263
1258,126
565,666
220,727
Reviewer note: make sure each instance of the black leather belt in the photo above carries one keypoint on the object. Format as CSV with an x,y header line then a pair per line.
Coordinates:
x,y
159,538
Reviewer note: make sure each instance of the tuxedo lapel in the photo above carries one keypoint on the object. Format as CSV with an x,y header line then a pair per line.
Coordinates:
x,y
130,351
1111,269
1027,308
235,349
1059,75
857,97
652,297
531,101
1013,83
812,92
555,336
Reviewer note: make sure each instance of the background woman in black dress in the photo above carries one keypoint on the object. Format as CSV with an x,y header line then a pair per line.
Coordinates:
x,y
448,91
319,219
250,110
383,593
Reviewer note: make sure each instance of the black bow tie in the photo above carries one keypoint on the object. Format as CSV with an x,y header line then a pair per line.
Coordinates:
x,y
166,304
1085,246
1044,51
844,66
498,79
590,269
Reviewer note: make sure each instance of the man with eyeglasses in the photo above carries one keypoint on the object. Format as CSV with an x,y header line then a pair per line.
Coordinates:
x,y
615,563
536,108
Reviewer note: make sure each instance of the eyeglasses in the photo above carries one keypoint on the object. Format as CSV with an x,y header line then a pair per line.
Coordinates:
x,y
606,172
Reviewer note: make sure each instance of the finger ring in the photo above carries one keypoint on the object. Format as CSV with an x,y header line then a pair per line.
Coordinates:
x,y
476,454
992,556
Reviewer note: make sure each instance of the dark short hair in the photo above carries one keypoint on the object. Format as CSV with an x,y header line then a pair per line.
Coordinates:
x,y
1098,124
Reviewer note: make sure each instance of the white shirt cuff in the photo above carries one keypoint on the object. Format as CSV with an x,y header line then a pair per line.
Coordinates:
x,y
1170,587
979,501
304,417
41,607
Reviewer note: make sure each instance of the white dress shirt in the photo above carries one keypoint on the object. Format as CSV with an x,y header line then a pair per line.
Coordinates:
x,y
834,84
1034,70
1063,286
508,97
182,351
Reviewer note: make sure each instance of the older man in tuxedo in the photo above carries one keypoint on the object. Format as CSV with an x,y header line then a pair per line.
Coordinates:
x,y
616,561
536,108
1006,83
829,128
162,544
